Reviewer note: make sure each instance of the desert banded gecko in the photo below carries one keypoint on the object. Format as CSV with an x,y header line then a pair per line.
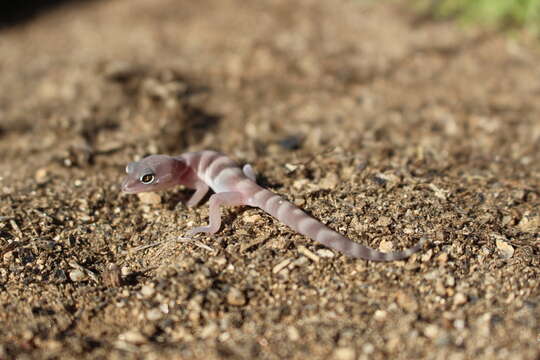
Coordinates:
x,y
235,186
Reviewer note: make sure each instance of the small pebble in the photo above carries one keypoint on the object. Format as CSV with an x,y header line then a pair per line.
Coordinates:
x,y
459,324
326,253
384,221
427,256
149,198
77,275
460,299
252,218
329,182
154,314
379,315
344,353
293,333
112,276
124,270
133,336
235,297
506,250
209,331
406,302
386,246
308,253
530,223
291,167
41,176
431,331
282,265
368,348
147,291
443,258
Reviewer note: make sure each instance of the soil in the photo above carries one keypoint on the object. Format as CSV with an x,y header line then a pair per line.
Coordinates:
x,y
386,127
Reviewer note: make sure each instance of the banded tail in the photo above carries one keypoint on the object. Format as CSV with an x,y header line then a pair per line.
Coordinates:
x,y
298,220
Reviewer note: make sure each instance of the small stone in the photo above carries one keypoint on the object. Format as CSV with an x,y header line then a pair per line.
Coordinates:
x,y
282,265
53,345
408,230
384,221
529,223
149,198
386,246
41,176
439,288
368,348
77,275
443,258
431,331
380,315
8,256
293,333
291,167
252,218
209,331
300,183
406,302
308,253
112,276
133,336
329,182
326,253
460,299
235,297
154,314
439,193
427,256
344,353
506,250
459,324
147,291
220,261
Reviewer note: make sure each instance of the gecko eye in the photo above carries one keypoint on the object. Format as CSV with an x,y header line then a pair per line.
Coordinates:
x,y
147,178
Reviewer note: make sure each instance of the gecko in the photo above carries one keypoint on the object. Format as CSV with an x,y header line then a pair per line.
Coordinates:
x,y
234,186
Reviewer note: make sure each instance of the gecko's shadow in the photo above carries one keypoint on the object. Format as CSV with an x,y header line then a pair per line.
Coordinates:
x,y
16,12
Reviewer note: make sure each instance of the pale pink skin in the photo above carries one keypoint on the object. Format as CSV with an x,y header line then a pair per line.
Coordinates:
x,y
206,170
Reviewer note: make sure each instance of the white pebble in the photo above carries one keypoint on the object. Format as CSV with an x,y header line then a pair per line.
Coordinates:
x,y
77,275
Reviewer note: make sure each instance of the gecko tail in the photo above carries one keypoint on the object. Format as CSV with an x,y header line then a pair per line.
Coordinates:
x,y
298,220
363,252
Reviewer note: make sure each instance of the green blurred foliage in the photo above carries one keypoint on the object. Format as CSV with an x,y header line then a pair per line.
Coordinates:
x,y
499,13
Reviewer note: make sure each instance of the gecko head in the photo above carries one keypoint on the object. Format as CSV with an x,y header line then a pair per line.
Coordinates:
x,y
153,173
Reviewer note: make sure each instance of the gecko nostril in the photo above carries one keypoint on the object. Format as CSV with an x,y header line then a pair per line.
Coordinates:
x,y
125,185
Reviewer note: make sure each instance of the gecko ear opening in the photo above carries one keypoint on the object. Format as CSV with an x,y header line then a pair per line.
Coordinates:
x,y
130,167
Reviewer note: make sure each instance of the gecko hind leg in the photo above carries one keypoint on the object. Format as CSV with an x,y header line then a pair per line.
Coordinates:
x,y
249,172
214,216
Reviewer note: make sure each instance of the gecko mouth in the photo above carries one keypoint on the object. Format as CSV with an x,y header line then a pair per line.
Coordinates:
x,y
126,186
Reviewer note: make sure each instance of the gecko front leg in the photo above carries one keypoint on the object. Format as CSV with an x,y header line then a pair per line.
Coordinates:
x,y
214,216
201,188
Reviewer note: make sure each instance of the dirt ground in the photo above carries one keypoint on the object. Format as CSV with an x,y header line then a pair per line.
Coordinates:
x,y
387,128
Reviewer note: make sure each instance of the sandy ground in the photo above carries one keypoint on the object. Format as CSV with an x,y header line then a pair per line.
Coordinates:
x,y
385,128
